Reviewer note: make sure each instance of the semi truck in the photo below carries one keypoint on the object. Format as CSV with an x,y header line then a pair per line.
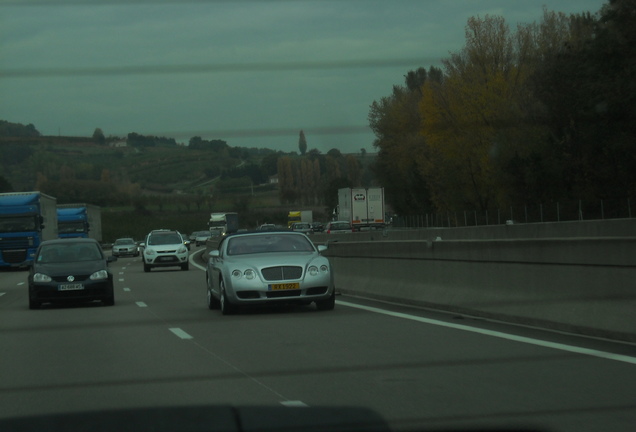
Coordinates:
x,y
26,220
226,222
299,216
363,208
79,220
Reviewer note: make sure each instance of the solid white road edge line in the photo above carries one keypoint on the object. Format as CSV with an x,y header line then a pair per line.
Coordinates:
x,y
141,304
501,335
193,261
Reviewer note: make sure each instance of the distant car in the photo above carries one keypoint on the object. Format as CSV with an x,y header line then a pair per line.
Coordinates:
x,y
74,269
165,248
268,227
125,246
268,267
338,227
317,227
303,227
202,237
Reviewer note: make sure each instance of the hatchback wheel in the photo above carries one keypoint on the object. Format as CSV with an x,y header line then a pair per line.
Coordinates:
x,y
212,302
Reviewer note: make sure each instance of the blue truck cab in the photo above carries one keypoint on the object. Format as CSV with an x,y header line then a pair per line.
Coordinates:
x,y
26,220
79,220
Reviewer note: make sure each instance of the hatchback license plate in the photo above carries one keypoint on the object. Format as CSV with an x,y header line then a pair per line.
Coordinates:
x,y
284,286
71,287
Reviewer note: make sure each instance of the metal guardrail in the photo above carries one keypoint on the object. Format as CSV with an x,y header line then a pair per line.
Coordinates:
x,y
527,213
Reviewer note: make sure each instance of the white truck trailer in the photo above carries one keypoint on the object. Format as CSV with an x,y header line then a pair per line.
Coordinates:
x,y
363,208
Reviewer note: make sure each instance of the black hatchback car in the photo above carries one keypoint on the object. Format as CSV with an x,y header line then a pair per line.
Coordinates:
x,y
70,270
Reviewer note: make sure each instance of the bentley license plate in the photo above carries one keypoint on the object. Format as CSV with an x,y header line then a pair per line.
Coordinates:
x,y
71,287
284,286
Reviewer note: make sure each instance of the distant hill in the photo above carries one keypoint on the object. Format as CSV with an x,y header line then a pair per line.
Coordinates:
x,y
144,170
29,162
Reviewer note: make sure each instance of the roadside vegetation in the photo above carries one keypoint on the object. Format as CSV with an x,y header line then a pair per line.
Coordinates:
x,y
536,117
144,182
534,114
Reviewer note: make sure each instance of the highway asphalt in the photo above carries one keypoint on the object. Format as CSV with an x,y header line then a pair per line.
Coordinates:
x,y
419,369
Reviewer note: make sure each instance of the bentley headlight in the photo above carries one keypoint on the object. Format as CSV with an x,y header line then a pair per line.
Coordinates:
x,y
249,274
237,274
324,268
313,270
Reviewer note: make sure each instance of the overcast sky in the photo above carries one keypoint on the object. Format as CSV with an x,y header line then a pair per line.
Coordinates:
x,y
253,73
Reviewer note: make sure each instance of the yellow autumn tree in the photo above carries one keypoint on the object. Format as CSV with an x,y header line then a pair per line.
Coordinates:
x,y
475,115
396,123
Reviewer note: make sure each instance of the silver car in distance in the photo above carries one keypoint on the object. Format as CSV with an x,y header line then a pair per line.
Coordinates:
x,y
268,267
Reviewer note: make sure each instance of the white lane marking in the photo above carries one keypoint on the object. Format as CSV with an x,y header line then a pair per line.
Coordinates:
x,y
193,261
127,289
21,283
523,339
1,294
121,279
294,404
121,272
141,304
180,333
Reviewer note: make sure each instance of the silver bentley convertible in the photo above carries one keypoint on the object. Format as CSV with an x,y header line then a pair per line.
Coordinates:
x,y
268,267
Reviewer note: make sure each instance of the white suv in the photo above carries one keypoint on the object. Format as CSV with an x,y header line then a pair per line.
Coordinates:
x,y
165,248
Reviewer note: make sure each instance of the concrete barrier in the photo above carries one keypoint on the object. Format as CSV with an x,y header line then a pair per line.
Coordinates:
x,y
581,285
572,229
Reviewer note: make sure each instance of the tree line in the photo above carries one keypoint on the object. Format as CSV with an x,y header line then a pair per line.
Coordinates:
x,y
540,113
9,129
313,179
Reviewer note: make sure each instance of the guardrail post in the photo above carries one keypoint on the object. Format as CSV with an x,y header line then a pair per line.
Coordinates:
x,y
602,210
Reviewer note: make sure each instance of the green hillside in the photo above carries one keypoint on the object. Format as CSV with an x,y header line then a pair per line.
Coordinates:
x,y
150,181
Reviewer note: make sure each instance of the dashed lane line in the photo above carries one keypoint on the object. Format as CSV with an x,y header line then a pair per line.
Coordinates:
x,y
180,333
294,403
